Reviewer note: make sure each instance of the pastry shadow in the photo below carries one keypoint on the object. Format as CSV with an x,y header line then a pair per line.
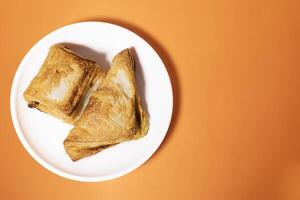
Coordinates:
x,y
89,53
140,79
169,64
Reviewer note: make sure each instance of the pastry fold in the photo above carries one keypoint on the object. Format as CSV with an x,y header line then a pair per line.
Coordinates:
x,y
113,115
63,83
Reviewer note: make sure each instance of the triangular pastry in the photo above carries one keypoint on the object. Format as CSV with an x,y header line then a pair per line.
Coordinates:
x,y
114,113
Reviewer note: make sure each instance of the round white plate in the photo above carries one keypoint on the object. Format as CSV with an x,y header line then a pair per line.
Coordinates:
x,y
42,135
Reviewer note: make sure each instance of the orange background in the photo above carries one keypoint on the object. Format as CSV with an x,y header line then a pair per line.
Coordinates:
x,y
235,70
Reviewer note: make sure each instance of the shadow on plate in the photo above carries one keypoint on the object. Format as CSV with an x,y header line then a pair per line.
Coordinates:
x,y
89,53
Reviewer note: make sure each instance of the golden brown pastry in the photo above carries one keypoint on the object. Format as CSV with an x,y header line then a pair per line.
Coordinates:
x,y
62,84
114,113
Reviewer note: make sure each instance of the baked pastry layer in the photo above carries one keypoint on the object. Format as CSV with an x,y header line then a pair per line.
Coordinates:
x,y
63,83
114,113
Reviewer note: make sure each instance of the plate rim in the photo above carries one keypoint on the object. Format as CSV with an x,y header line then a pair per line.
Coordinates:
x,y
50,167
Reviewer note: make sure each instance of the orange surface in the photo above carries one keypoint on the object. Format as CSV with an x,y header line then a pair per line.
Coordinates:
x,y
235,68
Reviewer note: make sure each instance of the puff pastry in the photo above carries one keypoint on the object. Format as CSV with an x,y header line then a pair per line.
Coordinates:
x,y
63,83
114,113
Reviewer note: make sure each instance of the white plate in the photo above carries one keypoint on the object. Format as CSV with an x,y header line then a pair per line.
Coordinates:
x,y
43,135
